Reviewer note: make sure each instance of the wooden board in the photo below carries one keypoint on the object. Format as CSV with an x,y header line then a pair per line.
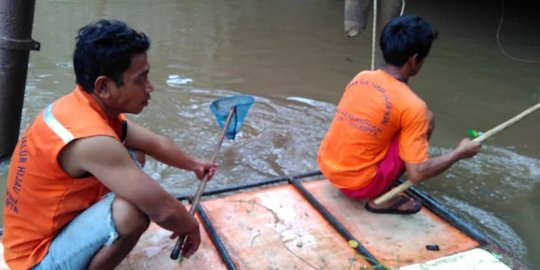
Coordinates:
x,y
395,240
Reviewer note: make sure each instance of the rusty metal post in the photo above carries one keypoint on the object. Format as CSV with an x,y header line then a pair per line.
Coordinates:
x,y
16,20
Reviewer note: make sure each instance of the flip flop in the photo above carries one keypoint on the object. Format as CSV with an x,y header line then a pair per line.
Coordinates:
x,y
394,208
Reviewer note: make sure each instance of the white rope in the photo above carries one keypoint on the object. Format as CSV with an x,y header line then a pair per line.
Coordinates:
x,y
374,35
500,45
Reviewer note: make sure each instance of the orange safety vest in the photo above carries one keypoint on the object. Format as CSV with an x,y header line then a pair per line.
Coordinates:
x,y
375,107
40,197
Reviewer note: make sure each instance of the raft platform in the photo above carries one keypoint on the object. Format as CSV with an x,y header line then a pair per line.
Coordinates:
x,y
303,222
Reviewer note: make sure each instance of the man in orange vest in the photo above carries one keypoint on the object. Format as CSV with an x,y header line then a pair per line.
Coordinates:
x,y
75,199
381,127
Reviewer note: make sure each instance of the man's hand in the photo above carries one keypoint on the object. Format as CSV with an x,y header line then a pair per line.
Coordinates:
x,y
434,166
191,242
467,148
202,168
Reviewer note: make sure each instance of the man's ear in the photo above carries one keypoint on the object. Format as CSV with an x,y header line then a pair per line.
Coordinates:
x,y
101,87
417,59
411,62
414,58
418,63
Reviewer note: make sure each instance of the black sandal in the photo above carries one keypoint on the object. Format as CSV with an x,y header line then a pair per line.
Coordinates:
x,y
394,208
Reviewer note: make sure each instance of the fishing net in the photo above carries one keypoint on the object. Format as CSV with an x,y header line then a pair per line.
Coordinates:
x,y
221,108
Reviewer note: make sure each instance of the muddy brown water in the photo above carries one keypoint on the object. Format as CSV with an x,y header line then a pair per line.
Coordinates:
x,y
294,59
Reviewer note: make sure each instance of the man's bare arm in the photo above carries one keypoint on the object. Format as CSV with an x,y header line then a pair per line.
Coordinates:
x,y
437,165
108,160
165,150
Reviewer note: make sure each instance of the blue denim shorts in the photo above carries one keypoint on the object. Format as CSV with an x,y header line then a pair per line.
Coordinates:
x,y
82,238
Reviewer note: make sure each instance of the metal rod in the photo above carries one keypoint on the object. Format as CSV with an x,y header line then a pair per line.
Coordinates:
x,y
252,185
335,223
437,208
222,250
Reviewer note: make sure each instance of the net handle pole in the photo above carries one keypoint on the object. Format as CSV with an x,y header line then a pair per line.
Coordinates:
x,y
181,239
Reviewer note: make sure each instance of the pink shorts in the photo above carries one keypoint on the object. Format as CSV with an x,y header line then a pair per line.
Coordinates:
x,y
388,170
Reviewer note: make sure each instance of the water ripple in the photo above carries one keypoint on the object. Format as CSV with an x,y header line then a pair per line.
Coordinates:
x,y
500,232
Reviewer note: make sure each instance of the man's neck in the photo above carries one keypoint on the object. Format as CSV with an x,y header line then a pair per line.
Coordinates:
x,y
398,73
108,112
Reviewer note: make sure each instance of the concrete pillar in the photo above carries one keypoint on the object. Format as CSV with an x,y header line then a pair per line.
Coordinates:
x,y
16,20
357,13
356,16
386,11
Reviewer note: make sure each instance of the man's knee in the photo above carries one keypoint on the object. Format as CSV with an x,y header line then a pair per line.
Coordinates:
x,y
128,218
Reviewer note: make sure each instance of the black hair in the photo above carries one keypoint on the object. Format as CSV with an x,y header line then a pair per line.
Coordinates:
x,y
105,48
405,36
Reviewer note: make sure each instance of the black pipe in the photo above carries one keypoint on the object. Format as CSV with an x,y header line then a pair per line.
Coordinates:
x,y
225,257
251,185
17,17
442,212
337,225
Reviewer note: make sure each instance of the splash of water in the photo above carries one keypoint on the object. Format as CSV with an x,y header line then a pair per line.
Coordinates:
x,y
279,136
496,172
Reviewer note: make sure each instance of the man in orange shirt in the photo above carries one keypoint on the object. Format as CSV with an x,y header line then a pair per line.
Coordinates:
x,y
381,127
76,151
